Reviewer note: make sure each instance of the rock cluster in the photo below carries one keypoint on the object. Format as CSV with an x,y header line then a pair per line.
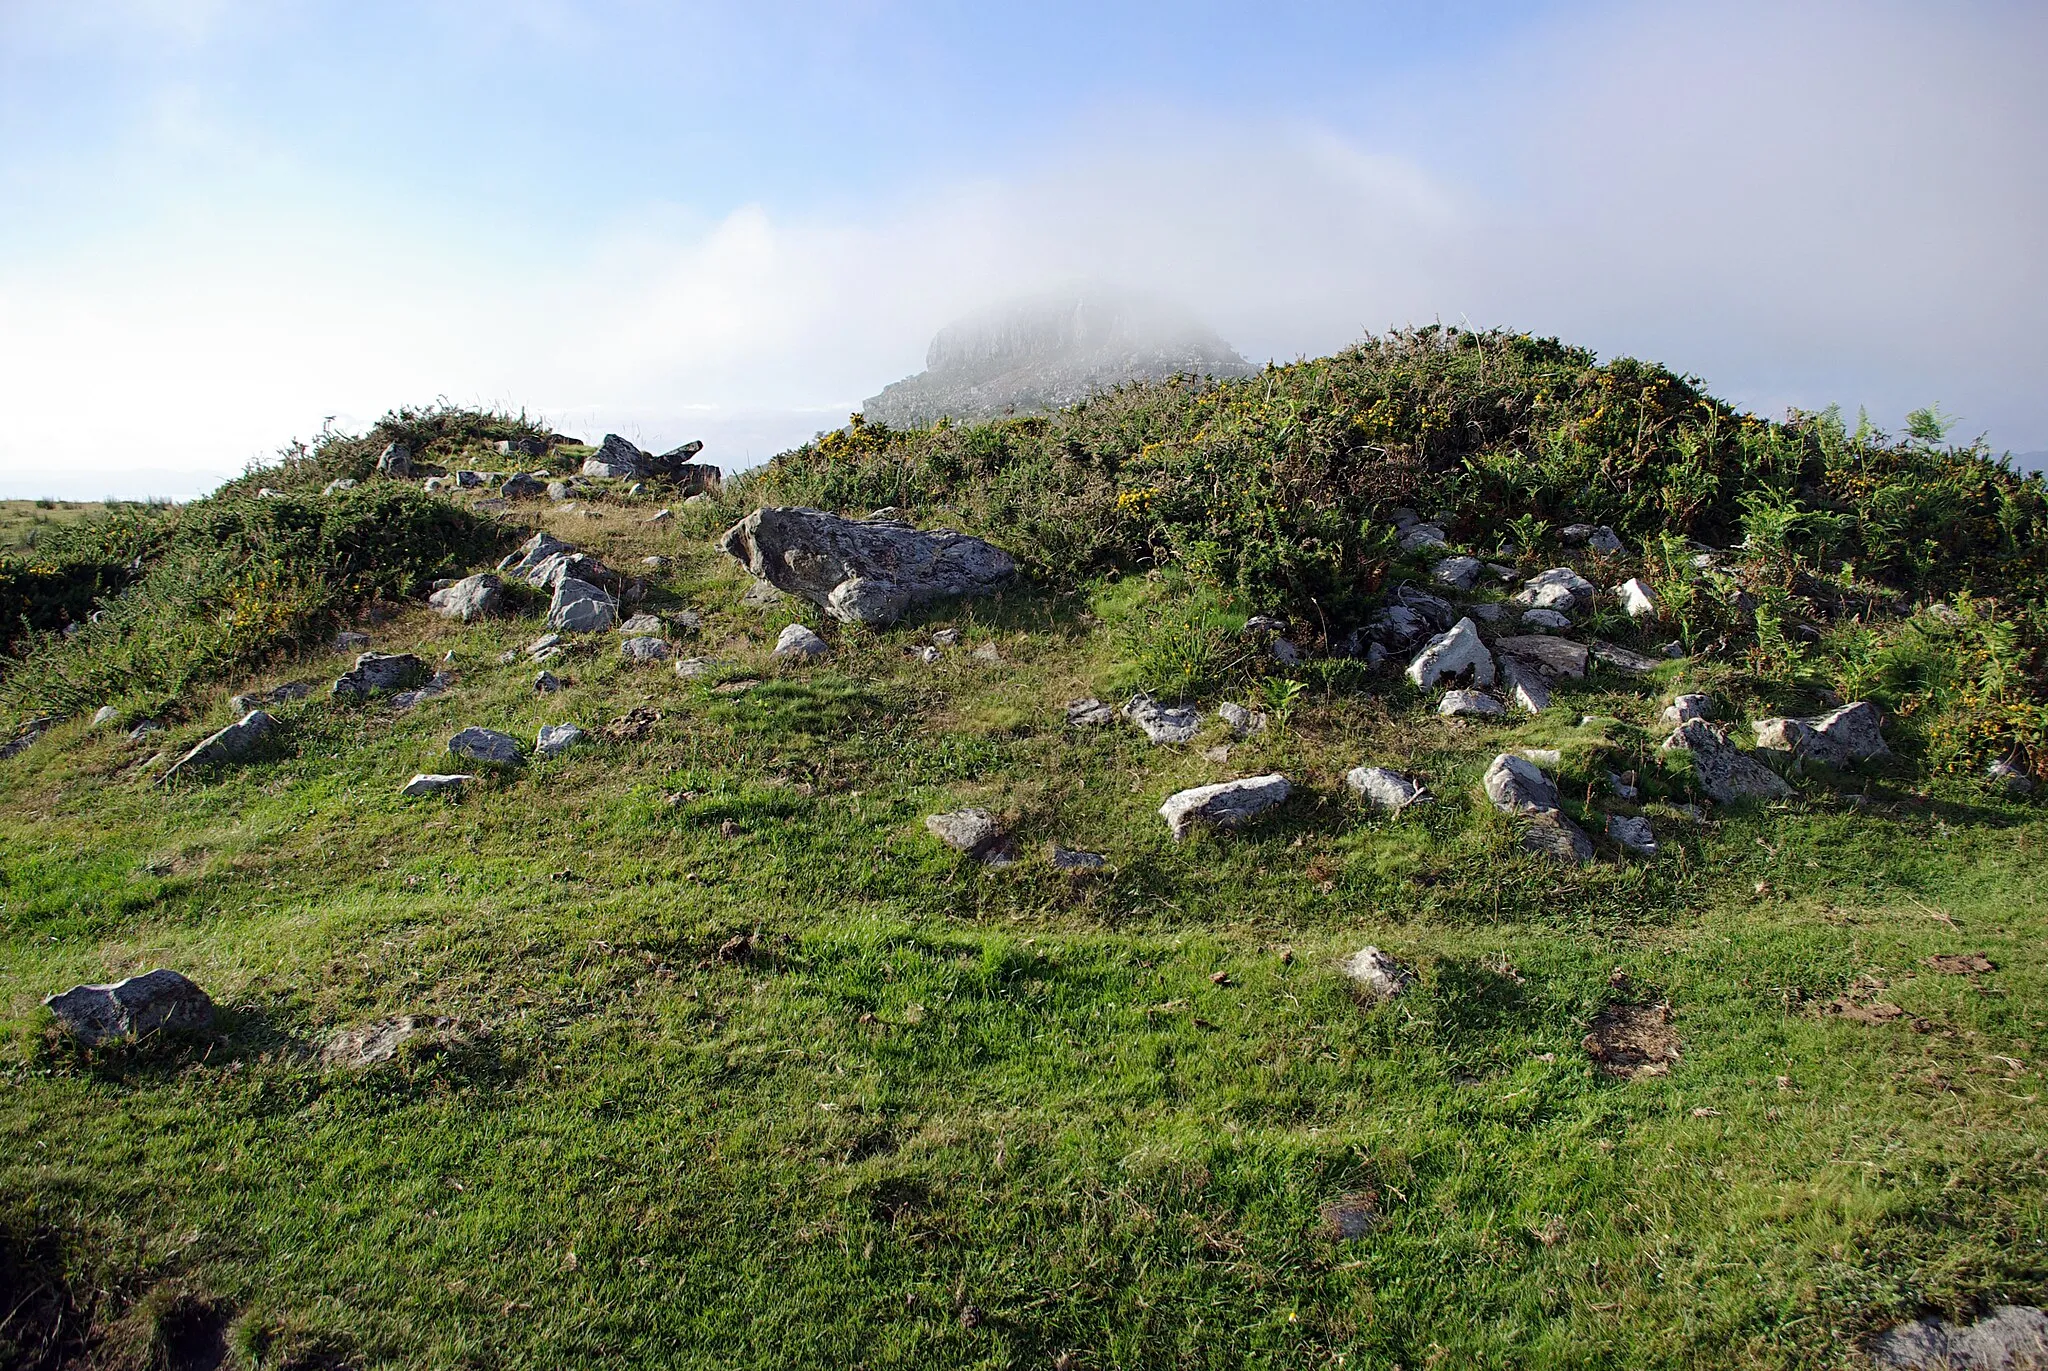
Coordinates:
x,y
863,571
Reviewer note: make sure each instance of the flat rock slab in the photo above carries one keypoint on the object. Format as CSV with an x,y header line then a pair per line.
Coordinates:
x,y
1230,804
433,783
862,571
1377,975
1163,723
2012,1337
1384,788
1553,657
1088,713
645,649
1524,685
555,739
231,744
369,1044
1724,774
1625,659
155,1002
1852,733
487,745
1469,704
1074,861
1552,835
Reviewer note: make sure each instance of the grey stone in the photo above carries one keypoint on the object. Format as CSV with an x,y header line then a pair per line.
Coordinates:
x,y
348,641
1230,804
1599,539
558,491
1544,619
798,641
1524,685
552,571
395,460
987,653
103,716
1284,652
520,486
1378,975
1384,788
547,683
1451,655
1837,738
1624,659
1461,572
430,783
860,572
645,649
159,1001
946,637
1623,788
1241,721
1688,707
972,831
1554,836
657,563
1436,611
276,695
761,595
928,654
1469,704
1422,536
544,643
580,607
1559,588
469,599
1076,862
1724,774
1398,628
1635,834
437,684
689,668
617,459
338,486
1517,785
555,739
2012,1337
1088,713
532,553
487,745
1163,723
2006,776
1637,598
1553,657
660,516
1487,611
375,671
231,744
143,730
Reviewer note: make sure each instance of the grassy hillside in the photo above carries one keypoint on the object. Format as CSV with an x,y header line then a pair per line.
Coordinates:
x,y
740,1067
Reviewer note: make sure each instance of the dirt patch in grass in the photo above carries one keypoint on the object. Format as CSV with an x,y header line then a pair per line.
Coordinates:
x,y
1633,1040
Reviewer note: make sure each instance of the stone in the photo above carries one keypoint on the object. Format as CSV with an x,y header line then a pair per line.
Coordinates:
x,y
1376,974
2012,1337
487,745
1499,572
1517,785
946,637
1524,685
338,486
1624,786
555,739
645,650
103,716
1436,611
1398,628
1458,704
1451,655
376,671
927,654
559,491
1230,804
2008,777
798,641
1284,652
1554,836
1636,598
1088,713
1688,707
1461,572
1163,723
974,832
580,607
1724,774
1624,659
526,445
1487,611
437,684
1601,539
276,695
1420,537
987,654
231,744
427,783
1544,619
660,516
1384,788
159,1001
861,572
656,562
1633,833
520,486
469,599
547,683
1241,721
547,642
563,566
142,731
532,554
1553,657
1075,862
395,460
690,668
347,641
1837,738
617,459
1559,588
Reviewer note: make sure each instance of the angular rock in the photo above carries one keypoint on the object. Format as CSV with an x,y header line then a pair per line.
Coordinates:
x,y
1076,862
1469,704
642,625
645,649
429,783
231,744
1451,655
338,486
2012,1337
617,459
1230,804
1487,611
520,486
1384,788
1542,619
1398,628
1088,713
1552,835
1623,786
469,599
580,607
1837,738
103,716
1438,612
1625,659
1688,707
689,668
1599,539
1517,785
1381,977
946,637
276,695
798,641
1457,571
555,739
487,745
375,671
547,683
1421,536
532,553
1524,685
1559,588
395,460
437,684
1724,774
860,572
1241,721
1553,657
159,1001
1163,723
1637,598
974,832
1635,834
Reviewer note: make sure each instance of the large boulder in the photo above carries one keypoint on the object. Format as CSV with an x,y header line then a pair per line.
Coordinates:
x,y
580,607
1451,655
1849,734
863,571
376,671
155,1002
617,458
1724,774
231,744
469,599
1231,804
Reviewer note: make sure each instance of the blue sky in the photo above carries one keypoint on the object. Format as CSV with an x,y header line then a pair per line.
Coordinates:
x,y
222,220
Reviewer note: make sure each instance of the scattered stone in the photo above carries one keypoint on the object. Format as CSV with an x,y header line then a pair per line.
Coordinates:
x,y
1242,722
645,649
974,832
2008,777
1450,655
1723,772
1687,707
1624,659
547,683
559,491
1623,784
1636,598
1470,704
437,684
1487,611
427,783
2012,1337
142,731
860,572
580,607
1218,753
1633,1040
1675,649
1499,572
1398,628
1542,756
1384,788
543,645
1553,657
1420,537
946,637
103,716
487,745
22,741
927,654
395,460
555,739
1075,862
1088,713
1526,689
660,516
1162,723
370,1044
469,599
337,486
798,641
643,624
1635,834
635,724
520,486
1379,976
1517,785
159,1001
1837,738
376,671
987,655
1559,588
1230,804
1599,539
1552,835
690,668
349,641
255,699
1461,572
1544,619
231,744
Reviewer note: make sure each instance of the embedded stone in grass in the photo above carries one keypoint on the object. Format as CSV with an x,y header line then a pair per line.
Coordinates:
x,y
1559,588
555,739
103,716
2011,1337
645,649
1517,785
633,725
1377,975
1457,571
1470,704
159,1001
349,641
1088,713
1350,1218
1723,772
946,637
580,607
1624,659
1423,536
231,744
375,671
927,654
1552,835
1636,598
1162,723
1451,655
1075,862
487,745
437,684
798,641
1633,833
690,668
368,1044
1849,734
987,654
859,571
1384,788
1633,1040
1623,784
1688,707
974,832
2008,777
534,551
1544,619
1242,722
643,624
256,699
1596,538
1551,656
429,783
1230,804
547,683
469,599
1525,686
520,486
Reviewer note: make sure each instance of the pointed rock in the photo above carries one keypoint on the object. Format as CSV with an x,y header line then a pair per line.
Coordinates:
x,y
1451,655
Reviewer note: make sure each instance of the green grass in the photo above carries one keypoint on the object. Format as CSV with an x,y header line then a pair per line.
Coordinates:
x,y
942,1115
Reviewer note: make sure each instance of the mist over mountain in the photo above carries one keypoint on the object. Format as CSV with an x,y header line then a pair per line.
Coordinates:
x,y
1037,355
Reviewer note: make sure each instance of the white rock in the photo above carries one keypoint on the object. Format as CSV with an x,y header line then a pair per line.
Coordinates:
x,y
1452,654
1723,772
1469,704
555,739
429,783
1636,598
580,607
972,831
104,715
1162,723
1385,788
798,641
1837,738
1558,588
1377,974
645,649
1688,707
1517,785
469,599
1526,689
1241,721
1230,804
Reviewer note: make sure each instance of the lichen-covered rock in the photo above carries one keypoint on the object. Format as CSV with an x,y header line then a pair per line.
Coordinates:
x,y
1384,788
1724,774
431,783
1633,833
555,739
1240,721
1451,655
469,599
1476,704
487,745
1230,804
1552,835
859,571
1376,974
1852,733
159,1001
1688,707
1460,572
531,553
376,671
231,744
645,649
1088,713
1553,657
1559,588
1163,723
797,641
1517,785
